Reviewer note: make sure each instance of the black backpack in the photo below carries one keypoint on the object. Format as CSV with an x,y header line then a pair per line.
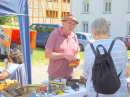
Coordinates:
x,y
104,75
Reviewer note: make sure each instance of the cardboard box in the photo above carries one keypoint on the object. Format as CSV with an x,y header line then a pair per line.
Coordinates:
x,y
6,94
28,95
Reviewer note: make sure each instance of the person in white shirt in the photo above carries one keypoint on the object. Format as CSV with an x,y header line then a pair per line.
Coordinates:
x,y
100,31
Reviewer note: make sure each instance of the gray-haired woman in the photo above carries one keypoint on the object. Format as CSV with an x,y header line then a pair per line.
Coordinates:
x,y
100,30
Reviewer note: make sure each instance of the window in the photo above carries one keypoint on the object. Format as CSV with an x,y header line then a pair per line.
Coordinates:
x,y
63,0
118,39
41,28
108,6
79,36
85,7
50,29
68,1
33,27
125,40
63,14
85,27
129,6
83,37
90,37
129,28
51,14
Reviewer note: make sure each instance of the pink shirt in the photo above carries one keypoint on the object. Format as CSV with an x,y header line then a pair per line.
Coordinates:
x,y
58,42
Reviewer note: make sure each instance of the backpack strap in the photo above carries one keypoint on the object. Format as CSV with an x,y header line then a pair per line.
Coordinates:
x,y
111,45
98,53
93,49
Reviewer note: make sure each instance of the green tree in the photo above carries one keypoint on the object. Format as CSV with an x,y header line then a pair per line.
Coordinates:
x,y
8,19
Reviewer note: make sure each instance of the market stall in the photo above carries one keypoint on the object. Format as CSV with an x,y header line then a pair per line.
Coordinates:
x,y
20,8
10,39
54,88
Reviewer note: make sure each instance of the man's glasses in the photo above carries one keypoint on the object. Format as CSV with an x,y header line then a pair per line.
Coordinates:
x,y
70,24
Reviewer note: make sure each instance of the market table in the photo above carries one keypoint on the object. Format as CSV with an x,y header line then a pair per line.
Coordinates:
x,y
73,93
70,93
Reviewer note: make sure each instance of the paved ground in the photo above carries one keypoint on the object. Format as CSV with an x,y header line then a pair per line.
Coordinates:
x,y
39,72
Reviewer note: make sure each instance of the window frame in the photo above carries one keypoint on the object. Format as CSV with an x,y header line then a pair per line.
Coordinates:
x,y
110,27
33,25
52,14
129,6
63,14
107,11
68,1
87,7
83,29
128,28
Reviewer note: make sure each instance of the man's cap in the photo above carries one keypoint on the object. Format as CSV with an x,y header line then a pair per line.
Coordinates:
x,y
70,17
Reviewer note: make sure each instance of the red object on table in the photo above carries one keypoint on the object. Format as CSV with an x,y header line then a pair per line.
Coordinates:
x,y
43,88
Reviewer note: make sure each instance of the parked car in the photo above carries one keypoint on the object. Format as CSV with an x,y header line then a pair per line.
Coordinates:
x,y
126,40
83,39
43,32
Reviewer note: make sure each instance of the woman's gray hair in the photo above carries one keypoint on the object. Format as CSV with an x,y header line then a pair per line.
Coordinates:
x,y
16,56
100,26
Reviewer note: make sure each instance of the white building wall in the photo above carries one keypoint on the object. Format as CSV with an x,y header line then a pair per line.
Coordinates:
x,y
118,18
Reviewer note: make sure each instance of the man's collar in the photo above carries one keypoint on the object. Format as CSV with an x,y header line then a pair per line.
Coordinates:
x,y
61,32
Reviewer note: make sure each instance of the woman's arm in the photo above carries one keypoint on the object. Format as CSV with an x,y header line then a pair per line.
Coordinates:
x,y
4,75
6,60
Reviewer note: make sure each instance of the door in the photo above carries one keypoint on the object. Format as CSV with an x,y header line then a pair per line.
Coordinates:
x,y
41,32
50,28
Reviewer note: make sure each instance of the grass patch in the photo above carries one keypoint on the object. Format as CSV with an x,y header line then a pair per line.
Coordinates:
x,y
81,55
10,24
128,53
39,56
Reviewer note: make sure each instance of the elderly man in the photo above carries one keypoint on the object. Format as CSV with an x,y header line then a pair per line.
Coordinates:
x,y
62,48
100,30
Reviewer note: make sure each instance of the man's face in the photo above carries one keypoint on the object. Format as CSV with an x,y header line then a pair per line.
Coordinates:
x,y
69,26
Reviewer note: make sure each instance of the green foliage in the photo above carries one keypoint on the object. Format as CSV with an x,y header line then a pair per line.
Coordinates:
x,y
8,19
10,24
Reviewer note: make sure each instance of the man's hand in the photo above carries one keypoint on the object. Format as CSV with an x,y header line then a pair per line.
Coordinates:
x,y
72,58
78,61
